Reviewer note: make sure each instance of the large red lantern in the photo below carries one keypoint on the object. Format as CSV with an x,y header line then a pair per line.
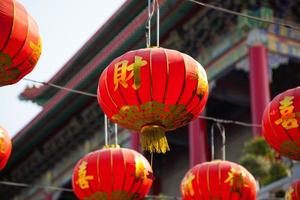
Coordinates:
x,y
281,121
112,173
218,180
20,44
293,192
5,147
153,90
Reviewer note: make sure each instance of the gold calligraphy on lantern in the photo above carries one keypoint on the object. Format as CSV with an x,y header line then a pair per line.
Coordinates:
x,y
140,169
202,86
289,194
187,186
2,147
236,180
288,117
121,76
36,51
83,179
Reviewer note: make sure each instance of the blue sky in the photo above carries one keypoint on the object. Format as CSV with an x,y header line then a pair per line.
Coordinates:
x,y
65,25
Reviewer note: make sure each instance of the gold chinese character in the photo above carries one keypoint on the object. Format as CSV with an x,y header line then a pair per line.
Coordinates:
x,y
187,185
287,101
121,69
236,181
2,148
36,51
289,194
288,117
140,169
83,179
202,85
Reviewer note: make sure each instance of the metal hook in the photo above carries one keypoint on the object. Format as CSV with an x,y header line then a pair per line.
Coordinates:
x,y
221,129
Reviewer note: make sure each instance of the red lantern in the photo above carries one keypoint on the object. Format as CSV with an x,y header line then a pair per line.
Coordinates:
x,y
153,90
281,121
112,173
5,147
218,180
20,44
293,193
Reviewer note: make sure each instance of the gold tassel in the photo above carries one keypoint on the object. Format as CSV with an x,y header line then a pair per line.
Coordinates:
x,y
153,139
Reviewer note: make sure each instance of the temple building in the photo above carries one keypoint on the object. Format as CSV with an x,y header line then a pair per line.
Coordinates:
x,y
247,64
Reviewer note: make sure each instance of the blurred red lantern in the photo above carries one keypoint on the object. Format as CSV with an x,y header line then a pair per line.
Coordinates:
x,y
293,193
20,44
112,173
5,147
218,180
281,122
153,90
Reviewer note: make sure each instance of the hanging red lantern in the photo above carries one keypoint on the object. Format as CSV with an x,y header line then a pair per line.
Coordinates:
x,y
5,147
281,123
112,173
153,90
218,180
20,44
293,192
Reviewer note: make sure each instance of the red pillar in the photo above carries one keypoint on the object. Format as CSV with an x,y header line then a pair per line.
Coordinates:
x,y
135,141
259,83
198,147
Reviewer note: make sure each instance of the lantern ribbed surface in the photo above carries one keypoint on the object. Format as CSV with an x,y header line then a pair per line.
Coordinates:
x,y
151,91
112,173
281,122
218,180
20,43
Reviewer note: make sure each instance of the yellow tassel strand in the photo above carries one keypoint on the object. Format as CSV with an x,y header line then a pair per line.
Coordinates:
x,y
153,139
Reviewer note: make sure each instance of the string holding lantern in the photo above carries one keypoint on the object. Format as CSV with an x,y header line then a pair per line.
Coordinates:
x,y
153,90
112,173
5,147
218,180
20,43
293,192
281,120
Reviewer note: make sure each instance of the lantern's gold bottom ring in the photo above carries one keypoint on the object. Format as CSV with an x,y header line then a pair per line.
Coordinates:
x,y
153,139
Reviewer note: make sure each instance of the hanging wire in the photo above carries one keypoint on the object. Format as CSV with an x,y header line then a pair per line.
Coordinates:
x,y
223,121
25,185
61,189
62,88
244,15
221,129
